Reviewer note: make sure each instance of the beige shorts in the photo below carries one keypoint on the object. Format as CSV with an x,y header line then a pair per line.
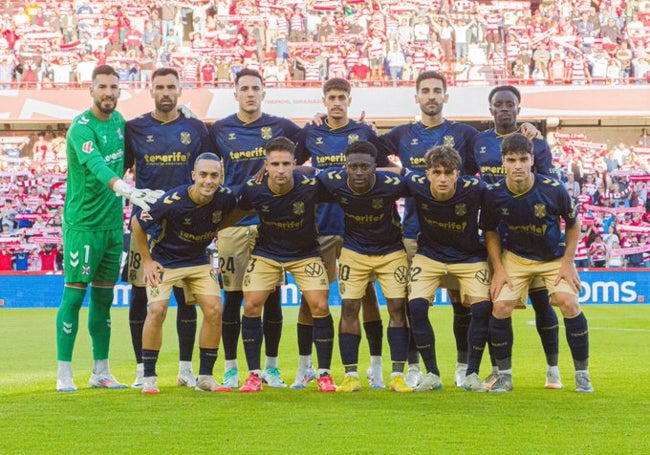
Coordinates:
x,y
134,270
448,282
522,273
195,280
357,270
262,274
235,245
426,277
330,249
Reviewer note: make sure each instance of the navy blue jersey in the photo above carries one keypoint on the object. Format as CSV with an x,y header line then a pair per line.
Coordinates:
x,y
325,147
531,221
449,230
164,153
412,141
486,157
186,227
372,224
287,230
241,147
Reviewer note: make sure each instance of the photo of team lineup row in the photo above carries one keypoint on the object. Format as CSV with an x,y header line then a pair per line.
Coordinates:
x,y
240,178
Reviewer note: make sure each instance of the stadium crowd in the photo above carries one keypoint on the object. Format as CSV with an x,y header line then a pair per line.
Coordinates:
x,y
55,43
610,185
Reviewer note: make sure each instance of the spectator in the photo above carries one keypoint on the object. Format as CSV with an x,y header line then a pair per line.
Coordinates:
x,y
598,252
615,259
6,258
48,258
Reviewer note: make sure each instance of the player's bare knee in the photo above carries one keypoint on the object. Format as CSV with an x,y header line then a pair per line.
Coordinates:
x,y
503,309
157,312
396,312
567,303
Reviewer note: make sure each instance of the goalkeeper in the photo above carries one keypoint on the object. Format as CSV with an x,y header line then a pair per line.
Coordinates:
x,y
93,228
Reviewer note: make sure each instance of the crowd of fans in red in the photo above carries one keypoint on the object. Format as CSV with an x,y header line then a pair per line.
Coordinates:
x,y
609,183
53,43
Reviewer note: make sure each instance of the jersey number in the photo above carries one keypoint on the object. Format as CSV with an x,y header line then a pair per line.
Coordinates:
x,y
227,264
344,273
251,265
415,271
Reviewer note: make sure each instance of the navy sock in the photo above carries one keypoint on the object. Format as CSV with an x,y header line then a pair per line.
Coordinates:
x,y
149,358
272,323
185,326
547,325
137,315
423,335
324,341
231,323
577,336
501,341
413,354
398,342
252,335
305,338
375,335
207,358
349,348
462,318
478,334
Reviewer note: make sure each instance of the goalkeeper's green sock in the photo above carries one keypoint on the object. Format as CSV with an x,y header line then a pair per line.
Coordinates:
x,y
67,322
99,320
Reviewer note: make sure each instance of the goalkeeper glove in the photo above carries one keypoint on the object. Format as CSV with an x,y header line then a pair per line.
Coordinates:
x,y
142,198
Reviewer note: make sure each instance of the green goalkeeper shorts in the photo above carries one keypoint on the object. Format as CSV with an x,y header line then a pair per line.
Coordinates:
x,y
92,255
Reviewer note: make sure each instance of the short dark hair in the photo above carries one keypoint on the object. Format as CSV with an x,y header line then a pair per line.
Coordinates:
x,y
443,155
207,156
423,76
337,83
164,71
504,88
106,70
364,147
516,143
248,72
281,144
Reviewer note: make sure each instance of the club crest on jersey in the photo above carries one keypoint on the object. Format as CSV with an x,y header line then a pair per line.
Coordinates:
x,y
449,141
267,133
460,209
217,216
298,208
87,147
353,138
149,138
186,139
319,141
540,210
377,203
144,216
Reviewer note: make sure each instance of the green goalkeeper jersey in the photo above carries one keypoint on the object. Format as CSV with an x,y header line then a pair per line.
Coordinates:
x,y
95,153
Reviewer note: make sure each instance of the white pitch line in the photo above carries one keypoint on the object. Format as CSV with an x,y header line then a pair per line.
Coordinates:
x,y
611,329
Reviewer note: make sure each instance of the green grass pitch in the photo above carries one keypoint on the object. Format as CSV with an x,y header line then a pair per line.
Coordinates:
x,y
613,420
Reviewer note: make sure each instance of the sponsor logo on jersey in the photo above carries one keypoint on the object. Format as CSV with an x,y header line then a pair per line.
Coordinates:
x,y
313,269
186,138
266,132
87,147
145,216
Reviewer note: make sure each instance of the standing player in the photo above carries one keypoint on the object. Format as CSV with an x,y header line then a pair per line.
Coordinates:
x,y
447,206
239,140
324,145
486,160
410,143
529,206
372,245
161,146
93,228
286,204
190,215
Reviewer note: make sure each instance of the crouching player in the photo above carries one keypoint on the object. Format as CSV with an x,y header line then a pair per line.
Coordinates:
x,y
530,207
448,207
189,216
